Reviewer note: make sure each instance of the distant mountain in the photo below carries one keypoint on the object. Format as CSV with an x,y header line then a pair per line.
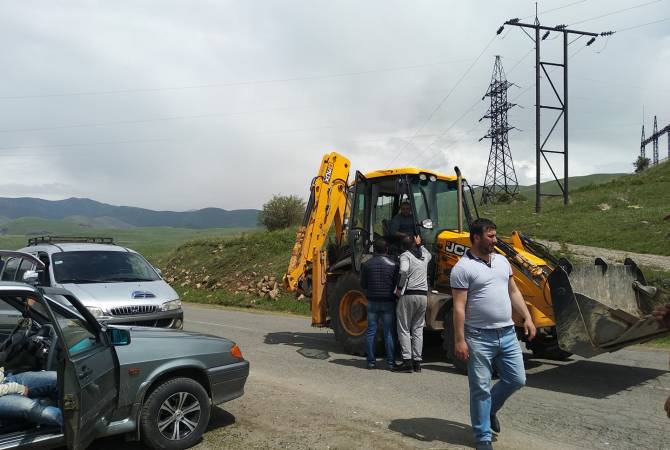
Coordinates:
x,y
96,213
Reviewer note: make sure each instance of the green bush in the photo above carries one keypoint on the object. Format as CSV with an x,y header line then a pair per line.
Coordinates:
x,y
282,211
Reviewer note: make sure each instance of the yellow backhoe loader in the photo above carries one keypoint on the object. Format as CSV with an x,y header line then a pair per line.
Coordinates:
x,y
581,310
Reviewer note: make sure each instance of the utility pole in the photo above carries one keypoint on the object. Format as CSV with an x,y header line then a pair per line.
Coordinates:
x,y
653,140
540,66
500,175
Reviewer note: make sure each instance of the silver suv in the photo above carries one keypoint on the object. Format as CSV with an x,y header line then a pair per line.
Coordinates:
x,y
115,283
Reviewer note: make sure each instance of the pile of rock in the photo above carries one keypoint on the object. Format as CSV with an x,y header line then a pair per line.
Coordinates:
x,y
267,287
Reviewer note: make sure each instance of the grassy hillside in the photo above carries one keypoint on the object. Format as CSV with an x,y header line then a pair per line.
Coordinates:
x,y
627,213
245,271
574,183
155,243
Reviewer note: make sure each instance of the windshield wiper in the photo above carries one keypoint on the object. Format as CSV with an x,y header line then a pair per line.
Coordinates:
x,y
127,279
80,280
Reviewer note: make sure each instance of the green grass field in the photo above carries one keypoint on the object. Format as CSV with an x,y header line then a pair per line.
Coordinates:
x,y
155,243
626,213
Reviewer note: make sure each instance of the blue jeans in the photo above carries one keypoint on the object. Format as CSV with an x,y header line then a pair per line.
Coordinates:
x,y
41,385
386,312
497,348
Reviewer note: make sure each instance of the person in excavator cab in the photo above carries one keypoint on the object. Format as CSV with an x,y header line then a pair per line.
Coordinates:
x,y
402,224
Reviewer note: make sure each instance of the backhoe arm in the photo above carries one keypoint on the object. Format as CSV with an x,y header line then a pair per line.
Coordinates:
x,y
327,203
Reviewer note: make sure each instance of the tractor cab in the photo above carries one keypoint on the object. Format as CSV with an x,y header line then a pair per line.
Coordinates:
x,y
391,204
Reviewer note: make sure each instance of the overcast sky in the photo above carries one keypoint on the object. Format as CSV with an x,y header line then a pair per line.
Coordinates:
x,y
186,104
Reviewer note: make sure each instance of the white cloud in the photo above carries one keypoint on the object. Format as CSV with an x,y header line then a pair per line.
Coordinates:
x,y
308,106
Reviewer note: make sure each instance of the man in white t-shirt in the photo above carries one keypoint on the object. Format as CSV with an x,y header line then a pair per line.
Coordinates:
x,y
484,295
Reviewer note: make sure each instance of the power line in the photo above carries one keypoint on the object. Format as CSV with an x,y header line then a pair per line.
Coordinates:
x,y
555,9
615,12
444,133
642,25
477,102
142,141
444,99
227,84
148,120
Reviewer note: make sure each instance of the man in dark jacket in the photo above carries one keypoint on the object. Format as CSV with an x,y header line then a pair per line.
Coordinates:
x,y
378,279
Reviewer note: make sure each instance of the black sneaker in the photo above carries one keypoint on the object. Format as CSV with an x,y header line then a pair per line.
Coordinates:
x,y
416,366
484,445
404,367
372,366
495,423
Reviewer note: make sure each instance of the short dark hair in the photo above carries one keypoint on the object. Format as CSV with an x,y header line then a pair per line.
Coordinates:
x,y
380,246
408,242
480,226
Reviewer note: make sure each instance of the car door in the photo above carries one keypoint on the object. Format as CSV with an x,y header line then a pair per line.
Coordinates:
x,y
9,317
90,378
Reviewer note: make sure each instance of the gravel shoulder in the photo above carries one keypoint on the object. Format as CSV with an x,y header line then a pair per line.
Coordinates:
x,y
585,252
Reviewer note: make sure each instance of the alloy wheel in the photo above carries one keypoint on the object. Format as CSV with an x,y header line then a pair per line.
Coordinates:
x,y
178,416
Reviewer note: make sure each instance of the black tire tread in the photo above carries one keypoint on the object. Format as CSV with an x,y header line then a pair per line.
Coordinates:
x,y
354,345
152,437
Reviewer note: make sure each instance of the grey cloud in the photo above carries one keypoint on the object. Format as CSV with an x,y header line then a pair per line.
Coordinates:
x,y
239,161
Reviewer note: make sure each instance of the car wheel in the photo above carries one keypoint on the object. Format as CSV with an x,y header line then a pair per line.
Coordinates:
x,y
175,414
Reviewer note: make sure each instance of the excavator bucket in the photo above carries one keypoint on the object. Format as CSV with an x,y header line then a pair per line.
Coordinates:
x,y
603,308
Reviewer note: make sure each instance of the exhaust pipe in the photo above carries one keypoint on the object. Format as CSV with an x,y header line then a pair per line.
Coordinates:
x,y
459,197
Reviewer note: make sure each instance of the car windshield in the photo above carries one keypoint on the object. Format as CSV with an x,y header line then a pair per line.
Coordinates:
x,y
436,200
101,267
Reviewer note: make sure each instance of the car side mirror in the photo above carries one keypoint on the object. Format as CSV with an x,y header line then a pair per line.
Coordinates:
x,y
118,336
427,224
31,277
159,272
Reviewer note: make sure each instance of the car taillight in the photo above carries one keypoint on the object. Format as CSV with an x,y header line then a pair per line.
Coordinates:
x,y
236,352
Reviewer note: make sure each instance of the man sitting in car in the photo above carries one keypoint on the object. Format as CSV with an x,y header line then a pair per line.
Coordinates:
x,y
22,397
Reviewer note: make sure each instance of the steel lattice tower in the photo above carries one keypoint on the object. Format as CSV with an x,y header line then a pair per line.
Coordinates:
x,y
500,175
655,142
642,149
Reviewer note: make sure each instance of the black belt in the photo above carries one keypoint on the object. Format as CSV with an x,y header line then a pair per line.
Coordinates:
x,y
414,292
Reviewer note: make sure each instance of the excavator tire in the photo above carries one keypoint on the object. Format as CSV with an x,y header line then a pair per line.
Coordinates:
x,y
347,308
448,342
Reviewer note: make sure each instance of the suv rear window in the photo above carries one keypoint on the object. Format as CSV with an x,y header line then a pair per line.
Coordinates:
x,y
101,267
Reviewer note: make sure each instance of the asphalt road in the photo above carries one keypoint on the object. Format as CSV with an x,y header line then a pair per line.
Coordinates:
x,y
304,392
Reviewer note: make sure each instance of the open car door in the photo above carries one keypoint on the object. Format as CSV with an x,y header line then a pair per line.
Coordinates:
x,y
88,384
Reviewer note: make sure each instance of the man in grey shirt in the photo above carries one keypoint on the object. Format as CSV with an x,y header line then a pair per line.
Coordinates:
x,y
484,295
411,310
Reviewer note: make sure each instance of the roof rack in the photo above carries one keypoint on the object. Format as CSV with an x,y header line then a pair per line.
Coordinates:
x,y
70,239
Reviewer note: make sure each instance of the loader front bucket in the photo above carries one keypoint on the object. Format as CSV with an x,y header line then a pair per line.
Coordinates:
x,y
603,308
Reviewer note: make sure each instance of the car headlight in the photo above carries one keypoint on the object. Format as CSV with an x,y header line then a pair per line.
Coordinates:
x,y
95,311
171,305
